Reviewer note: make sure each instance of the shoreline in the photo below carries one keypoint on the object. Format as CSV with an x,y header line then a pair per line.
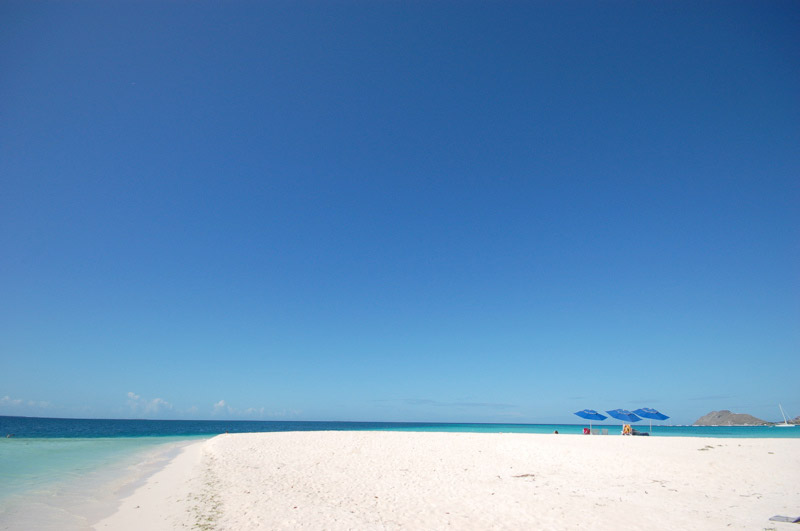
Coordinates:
x,y
76,481
392,480
162,500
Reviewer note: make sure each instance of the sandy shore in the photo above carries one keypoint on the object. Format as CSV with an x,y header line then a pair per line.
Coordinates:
x,y
393,480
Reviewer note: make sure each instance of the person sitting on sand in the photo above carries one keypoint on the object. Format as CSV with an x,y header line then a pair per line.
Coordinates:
x,y
627,430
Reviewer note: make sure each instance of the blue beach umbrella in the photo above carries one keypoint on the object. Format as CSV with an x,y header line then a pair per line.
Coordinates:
x,y
650,413
590,415
623,414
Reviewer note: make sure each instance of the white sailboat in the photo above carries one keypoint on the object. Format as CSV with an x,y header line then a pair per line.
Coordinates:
x,y
785,423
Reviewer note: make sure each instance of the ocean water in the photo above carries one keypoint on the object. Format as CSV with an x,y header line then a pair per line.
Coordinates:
x,y
68,473
69,483
49,428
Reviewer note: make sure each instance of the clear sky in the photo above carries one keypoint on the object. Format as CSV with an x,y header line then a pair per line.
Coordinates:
x,y
399,211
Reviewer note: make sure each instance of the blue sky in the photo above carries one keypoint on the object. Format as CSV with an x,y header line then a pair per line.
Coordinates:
x,y
399,211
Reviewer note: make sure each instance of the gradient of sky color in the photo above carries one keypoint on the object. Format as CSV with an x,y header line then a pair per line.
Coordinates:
x,y
399,211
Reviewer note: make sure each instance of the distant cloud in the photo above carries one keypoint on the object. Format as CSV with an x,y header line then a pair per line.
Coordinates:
x,y
711,397
221,406
7,402
511,414
157,404
437,403
143,406
284,413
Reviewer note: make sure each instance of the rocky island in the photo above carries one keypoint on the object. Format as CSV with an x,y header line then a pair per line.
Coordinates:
x,y
727,418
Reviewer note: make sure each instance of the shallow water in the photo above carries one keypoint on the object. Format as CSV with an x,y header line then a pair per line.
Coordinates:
x,y
68,484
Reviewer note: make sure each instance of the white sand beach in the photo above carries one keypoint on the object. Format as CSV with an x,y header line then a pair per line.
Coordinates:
x,y
400,480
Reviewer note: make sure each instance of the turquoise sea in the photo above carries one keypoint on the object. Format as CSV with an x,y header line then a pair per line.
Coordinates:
x,y
67,473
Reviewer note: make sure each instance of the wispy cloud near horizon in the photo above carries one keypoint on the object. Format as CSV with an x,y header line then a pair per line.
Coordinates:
x,y
13,404
712,397
144,406
222,407
438,403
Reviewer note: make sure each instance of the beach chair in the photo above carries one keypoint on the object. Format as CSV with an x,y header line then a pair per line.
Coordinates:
x,y
595,431
605,431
